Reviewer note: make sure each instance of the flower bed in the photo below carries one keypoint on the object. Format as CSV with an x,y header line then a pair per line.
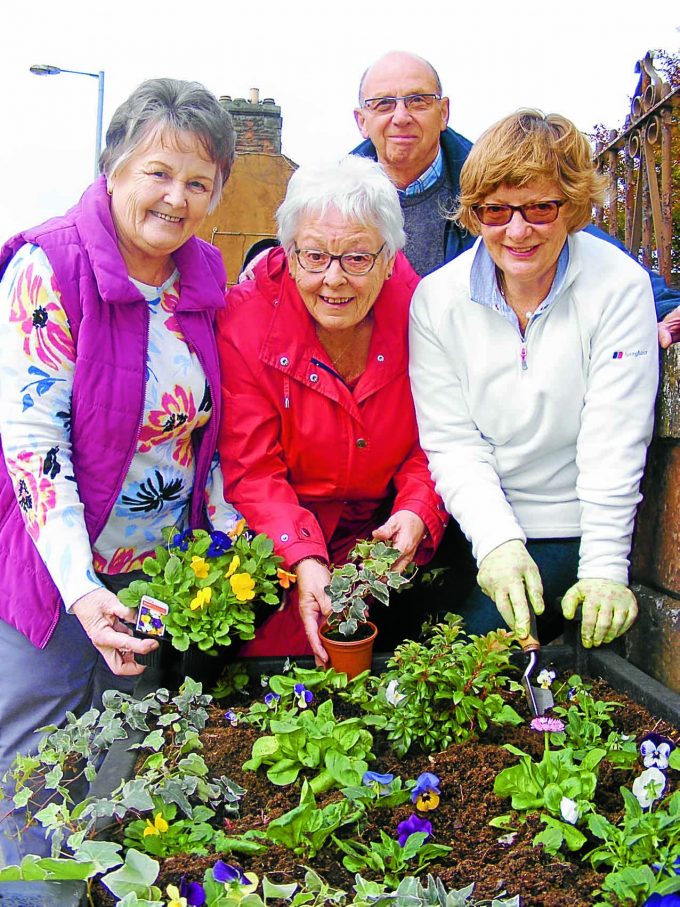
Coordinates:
x,y
445,730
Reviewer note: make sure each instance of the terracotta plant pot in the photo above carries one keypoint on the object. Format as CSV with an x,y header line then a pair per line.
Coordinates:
x,y
350,655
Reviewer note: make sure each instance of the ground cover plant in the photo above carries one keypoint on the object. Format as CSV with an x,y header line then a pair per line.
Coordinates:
x,y
427,785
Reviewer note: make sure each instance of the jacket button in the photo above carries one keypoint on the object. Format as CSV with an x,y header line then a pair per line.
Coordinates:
x,y
362,442
314,377
284,360
284,537
380,358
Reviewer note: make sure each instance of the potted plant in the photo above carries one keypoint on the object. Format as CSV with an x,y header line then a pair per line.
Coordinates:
x,y
204,591
347,633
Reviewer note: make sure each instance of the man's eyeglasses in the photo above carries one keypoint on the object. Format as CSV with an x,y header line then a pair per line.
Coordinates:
x,y
355,263
412,102
500,215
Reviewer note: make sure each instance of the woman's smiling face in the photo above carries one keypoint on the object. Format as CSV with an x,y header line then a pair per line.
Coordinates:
x,y
525,252
160,196
337,300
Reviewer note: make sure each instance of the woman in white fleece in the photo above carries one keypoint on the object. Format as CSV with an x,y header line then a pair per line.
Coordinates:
x,y
534,372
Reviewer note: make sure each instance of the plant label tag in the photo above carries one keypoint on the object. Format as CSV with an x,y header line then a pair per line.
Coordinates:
x,y
150,616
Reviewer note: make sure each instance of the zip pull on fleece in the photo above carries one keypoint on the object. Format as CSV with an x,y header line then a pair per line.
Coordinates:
x,y
523,356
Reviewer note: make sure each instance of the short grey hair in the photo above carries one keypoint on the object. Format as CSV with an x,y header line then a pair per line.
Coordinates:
x,y
180,107
356,186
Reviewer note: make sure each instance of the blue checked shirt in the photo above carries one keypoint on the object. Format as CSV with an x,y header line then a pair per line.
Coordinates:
x,y
425,180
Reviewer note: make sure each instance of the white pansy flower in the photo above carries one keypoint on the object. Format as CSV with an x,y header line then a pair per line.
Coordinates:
x,y
545,678
649,786
392,694
569,810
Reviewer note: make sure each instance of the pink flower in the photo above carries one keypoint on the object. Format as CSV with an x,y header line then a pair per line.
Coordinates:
x,y
174,420
41,320
547,725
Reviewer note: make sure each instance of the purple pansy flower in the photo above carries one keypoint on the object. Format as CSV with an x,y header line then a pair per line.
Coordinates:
x,y
412,826
220,544
303,696
227,874
192,891
655,750
663,900
271,700
231,716
182,539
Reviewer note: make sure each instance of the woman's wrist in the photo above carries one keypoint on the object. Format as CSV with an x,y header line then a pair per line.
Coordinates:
x,y
310,557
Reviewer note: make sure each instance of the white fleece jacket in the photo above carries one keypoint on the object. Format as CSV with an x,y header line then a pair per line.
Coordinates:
x,y
556,449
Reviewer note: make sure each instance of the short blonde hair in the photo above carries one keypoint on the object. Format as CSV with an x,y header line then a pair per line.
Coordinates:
x,y
526,146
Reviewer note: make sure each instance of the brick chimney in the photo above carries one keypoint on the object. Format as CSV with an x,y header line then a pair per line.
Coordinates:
x,y
257,123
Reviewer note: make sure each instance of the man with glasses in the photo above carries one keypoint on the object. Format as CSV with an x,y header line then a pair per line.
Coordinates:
x,y
403,116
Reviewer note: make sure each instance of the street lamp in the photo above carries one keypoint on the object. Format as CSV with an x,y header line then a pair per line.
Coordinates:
x,y
44,69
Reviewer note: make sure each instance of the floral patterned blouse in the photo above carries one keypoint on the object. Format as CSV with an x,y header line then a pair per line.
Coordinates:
x,y
36,375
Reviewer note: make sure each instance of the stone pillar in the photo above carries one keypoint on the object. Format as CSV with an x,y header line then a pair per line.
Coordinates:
x,y
653,643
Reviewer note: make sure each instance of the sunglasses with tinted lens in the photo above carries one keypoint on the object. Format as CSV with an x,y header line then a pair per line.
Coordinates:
x,y
500,215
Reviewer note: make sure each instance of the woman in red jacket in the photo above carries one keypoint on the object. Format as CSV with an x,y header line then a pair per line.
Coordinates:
x,y
319,441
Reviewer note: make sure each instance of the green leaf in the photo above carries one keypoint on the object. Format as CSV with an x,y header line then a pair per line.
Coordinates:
x,y
173,570
137,875
151,567
284,772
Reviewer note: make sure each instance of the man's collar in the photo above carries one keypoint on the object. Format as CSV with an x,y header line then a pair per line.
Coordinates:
x,y
427,179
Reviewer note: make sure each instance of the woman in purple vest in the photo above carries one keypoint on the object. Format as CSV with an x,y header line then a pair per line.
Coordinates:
x,y
109,409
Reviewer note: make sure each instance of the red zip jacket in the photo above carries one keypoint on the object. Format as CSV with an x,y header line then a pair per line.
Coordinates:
x,y
305,459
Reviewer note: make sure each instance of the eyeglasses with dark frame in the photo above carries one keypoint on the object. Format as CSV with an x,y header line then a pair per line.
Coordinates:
x,y
536,213
412,102
355,263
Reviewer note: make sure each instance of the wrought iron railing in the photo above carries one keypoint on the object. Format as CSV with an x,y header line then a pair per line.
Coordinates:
x,y
639,161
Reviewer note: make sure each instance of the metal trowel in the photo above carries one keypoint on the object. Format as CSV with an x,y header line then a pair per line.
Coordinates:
x,y
539,700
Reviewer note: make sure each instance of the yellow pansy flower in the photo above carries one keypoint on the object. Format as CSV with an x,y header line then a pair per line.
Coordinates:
x,y
199,566
233,567
158,827
243,586
175,898
202,598
427,800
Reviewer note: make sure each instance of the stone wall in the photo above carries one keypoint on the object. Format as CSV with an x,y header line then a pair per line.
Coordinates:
x,y
653,643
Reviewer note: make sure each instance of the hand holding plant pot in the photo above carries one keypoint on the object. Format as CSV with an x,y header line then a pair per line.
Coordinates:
x,y
313,577
369,573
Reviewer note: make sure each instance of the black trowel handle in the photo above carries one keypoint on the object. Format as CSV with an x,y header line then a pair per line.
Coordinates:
x,y
530,643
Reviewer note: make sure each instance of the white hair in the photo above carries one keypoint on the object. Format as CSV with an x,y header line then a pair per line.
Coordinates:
x,y
356,186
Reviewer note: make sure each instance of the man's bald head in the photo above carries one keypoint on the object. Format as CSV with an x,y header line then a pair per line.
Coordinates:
x,y
396,57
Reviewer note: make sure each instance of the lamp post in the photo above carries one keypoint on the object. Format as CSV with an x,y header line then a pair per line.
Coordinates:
x,y
43,69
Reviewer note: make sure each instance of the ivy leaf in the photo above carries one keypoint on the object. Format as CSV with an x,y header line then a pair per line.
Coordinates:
x,y
136,876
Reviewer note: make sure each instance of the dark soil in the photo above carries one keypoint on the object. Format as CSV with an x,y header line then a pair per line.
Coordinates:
x,y
467,772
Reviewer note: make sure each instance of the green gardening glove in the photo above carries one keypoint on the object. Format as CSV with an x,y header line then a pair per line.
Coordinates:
x,y
509,576
609,609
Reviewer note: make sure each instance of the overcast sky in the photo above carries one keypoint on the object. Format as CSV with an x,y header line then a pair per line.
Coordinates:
x,y
575,58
